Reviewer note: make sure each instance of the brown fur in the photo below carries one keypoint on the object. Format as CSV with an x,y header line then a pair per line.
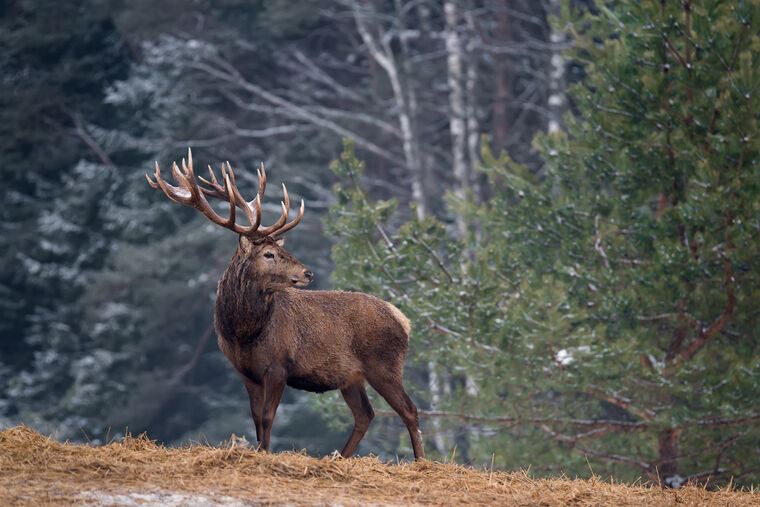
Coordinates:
x,y
274,334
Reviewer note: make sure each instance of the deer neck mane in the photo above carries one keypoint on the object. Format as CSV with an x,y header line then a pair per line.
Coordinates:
x,y
244,304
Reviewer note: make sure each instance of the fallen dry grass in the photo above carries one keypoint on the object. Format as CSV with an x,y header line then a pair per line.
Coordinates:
x,y
36,470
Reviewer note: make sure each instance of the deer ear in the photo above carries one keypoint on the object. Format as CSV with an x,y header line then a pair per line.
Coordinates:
x,y
280,241
246,245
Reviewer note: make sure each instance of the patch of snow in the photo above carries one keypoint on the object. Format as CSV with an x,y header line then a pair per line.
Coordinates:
x,y
675,481
564,357
159,498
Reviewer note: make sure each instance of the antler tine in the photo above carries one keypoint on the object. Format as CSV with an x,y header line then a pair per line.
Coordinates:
x,y
216,189
175,171
223,192
257,209
287,197
190,194
200,203
252,214
231,197
176,194
262,175
262,172
187,167
266,231
285,228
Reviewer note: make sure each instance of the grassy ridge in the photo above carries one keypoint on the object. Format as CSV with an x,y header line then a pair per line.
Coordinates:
x,y
36,470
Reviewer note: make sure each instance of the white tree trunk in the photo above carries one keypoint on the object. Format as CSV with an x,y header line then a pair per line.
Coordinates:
x,y
473,123
434,385
419,191
456,105
382,53
557,99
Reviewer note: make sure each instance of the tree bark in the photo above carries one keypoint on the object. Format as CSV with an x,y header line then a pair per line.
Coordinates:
x,y
471,84
381,52
456,106
557,100
499,120
667,465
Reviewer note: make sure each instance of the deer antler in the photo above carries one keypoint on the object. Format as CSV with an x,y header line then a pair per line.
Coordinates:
x,y
190,193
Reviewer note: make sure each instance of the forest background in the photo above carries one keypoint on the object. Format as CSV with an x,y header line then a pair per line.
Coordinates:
x,y
563,197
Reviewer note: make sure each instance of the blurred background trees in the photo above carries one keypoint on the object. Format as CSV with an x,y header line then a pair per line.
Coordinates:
x,y
591,294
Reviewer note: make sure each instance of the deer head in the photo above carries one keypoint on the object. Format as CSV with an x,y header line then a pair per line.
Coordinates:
x,y
262,246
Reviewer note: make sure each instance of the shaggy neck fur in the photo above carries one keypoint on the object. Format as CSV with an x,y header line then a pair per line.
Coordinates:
x,y
243,303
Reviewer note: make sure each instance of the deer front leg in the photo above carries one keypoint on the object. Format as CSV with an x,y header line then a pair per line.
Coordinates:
x,y
274,385
256,399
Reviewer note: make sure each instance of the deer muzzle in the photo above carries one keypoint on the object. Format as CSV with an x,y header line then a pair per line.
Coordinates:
x,y
304,279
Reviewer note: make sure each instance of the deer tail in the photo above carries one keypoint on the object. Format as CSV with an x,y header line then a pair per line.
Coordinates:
x,y
400,317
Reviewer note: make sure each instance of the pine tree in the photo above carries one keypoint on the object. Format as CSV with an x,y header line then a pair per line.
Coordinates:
x,y
609,311
56,60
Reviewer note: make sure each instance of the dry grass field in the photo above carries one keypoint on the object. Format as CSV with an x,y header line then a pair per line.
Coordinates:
x,y
36,470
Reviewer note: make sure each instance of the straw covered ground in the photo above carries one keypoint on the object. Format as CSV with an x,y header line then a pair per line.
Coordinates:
x,y
36,470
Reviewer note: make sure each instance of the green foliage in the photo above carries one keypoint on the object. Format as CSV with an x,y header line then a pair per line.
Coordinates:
x,y
623,286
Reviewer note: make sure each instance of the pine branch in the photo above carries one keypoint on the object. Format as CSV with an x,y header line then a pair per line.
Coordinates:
x,y
646,467
81,133
514,421
705,335
623,426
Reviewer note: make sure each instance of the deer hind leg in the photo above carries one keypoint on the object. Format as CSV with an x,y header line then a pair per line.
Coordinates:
x,y
390,387
274,385
358,401
256,399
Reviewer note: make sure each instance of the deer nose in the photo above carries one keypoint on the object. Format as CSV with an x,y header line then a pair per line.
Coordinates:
x,y
308,274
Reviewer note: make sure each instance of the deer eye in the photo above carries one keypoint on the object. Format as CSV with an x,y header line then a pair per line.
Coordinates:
x,y
269,255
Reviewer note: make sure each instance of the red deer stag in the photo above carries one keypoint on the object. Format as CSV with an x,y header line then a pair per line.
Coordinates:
x,y
276,334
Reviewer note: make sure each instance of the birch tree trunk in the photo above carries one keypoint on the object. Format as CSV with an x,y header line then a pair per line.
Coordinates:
x,y
419,187
381,52
499,119
456,106
463,127
557,97
473,123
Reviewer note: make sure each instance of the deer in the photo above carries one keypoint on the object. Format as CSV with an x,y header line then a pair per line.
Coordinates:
x,y
276,334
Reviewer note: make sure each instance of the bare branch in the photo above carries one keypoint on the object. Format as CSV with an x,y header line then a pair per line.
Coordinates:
x,y
321,76
512,421
613,425
231,75
572,440
719,423
81,132
646,467
434,255
621,402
